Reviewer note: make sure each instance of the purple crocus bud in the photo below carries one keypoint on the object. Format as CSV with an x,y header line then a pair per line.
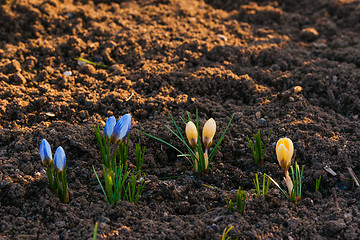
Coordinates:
x,y
45,152
122,128
59,159
109,126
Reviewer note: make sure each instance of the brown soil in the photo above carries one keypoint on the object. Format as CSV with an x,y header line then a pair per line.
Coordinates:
x,y
221,57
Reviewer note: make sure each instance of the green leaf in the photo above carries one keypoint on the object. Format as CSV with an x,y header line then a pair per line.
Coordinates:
x,y
95,231
92,63
102,188
278,186
212,154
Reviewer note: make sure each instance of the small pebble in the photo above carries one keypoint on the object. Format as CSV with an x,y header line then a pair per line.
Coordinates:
x,y
319,45
218,218
50,114
81,63
334,79
309,34
222,37
258,115
214,227
298,89
68,73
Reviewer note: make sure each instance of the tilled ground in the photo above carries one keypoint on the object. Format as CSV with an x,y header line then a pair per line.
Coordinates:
x,y
220,57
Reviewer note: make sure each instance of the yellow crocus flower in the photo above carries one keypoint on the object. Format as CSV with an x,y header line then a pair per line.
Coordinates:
x,y
191,134
284,152
208,132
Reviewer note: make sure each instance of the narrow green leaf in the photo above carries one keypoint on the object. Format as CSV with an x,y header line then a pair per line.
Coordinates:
x,y
102,188
220,140
160,140
92,63
267,186
257,186
278,186
95,231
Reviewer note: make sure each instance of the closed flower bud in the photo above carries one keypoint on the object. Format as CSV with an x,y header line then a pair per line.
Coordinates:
x,y
45,152
122,128
191,133
209,132
109,126
284,152
59,159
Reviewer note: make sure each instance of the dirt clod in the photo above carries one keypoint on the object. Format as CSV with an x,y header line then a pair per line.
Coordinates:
x,y
290,66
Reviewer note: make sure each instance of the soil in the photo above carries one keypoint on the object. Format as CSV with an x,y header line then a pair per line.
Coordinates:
x,y
221,57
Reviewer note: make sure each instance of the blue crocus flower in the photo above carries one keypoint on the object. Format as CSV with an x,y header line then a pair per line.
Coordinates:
x,y
45,152
122,128
59,159
109,126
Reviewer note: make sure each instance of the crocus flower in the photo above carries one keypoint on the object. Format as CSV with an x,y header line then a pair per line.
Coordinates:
x,y
59,159
109,126
208,132
122,128
45,152
284,152
191,134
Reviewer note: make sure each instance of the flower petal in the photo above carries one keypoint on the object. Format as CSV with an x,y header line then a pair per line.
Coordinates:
x,y
284,152
59,159
122,128
280,153
109,126
209,132
191,133
45,152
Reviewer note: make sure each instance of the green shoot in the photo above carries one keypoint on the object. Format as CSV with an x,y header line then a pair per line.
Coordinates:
x,y
240,201
256,149
317,186
134,189
198,158
104,145
92,63
60,185
120,183
50,175
230,206
265,187
63,189
95,231
225,233
297,177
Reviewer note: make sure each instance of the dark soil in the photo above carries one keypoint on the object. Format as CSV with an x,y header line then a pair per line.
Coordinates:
x,y
220,57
